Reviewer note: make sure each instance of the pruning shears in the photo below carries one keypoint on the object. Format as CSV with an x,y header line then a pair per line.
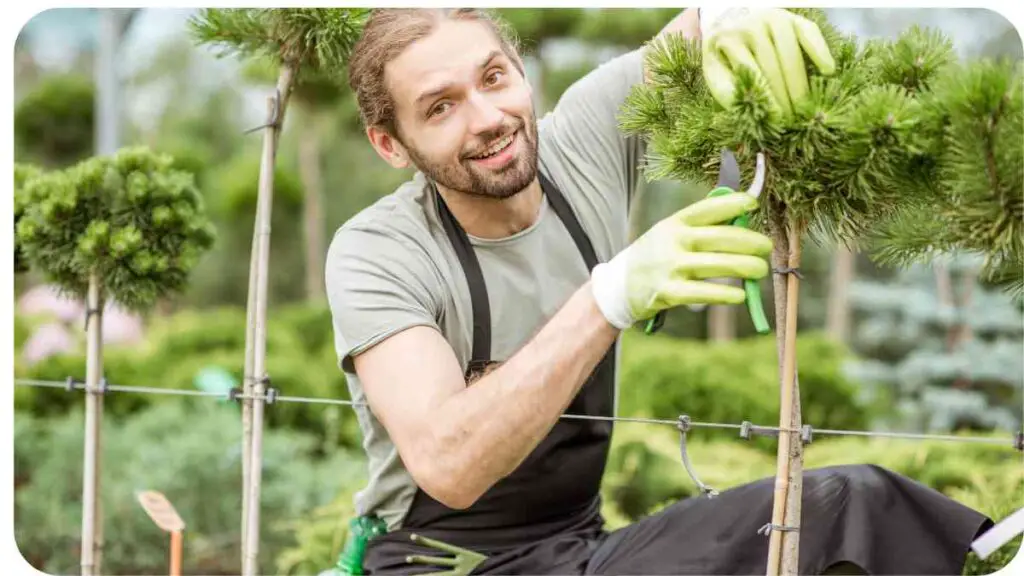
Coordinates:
x,y
729,183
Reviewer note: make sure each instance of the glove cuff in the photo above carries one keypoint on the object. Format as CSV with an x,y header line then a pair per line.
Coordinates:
x,y
608,285
713,17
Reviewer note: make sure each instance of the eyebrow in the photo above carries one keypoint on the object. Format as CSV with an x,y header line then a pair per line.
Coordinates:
x,y
447,86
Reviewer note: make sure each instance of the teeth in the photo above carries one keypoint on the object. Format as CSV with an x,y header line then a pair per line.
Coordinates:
x,y
497,147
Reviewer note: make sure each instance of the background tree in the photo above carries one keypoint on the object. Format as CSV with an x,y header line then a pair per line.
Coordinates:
x,y
53,124
939,346
127,229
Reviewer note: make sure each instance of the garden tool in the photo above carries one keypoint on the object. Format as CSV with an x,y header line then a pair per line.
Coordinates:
x,y
729,183
461,563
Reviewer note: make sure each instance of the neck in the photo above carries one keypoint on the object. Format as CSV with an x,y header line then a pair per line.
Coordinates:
x,y
493,218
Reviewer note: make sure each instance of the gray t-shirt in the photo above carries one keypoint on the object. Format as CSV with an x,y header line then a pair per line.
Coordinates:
x,y
391,267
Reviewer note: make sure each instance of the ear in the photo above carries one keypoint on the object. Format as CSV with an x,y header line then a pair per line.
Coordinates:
x,y
388,147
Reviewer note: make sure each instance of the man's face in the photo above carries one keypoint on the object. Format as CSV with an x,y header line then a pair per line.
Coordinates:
x,y
464,112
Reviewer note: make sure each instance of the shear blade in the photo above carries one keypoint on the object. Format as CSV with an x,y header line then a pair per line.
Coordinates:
x,y
729,171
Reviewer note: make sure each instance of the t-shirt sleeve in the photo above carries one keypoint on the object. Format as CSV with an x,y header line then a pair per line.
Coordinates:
x,y
378,283
584,125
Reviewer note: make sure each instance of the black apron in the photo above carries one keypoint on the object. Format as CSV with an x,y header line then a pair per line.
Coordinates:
x,y
556,489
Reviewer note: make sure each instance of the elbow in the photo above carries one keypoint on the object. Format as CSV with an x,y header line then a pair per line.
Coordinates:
x,y
446,484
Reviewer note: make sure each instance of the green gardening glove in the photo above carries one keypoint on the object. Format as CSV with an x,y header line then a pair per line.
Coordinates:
x,y
668,265
768,41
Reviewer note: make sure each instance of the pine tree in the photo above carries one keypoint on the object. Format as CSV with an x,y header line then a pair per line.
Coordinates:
x,y
857,160
975,117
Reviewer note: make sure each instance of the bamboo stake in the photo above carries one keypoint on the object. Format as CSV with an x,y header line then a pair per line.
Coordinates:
x,y
787,492
247,379
255,346
93,419
780,258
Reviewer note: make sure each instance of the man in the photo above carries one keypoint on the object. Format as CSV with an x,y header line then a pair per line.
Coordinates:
x,y
484,298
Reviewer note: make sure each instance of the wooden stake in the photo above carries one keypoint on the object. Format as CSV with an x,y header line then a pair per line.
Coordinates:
x,y
786,505
256,331
91,521
175,553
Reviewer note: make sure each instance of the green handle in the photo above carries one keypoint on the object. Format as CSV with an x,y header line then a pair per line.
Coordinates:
x,y
751,287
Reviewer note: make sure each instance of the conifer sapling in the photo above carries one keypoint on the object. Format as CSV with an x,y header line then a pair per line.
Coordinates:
x,y
868,152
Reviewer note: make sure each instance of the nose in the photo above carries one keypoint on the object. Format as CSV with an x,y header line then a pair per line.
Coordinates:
x,y
484,115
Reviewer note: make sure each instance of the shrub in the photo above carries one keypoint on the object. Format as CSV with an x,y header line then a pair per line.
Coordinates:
x,y
54,124
300,362
663,377
189,449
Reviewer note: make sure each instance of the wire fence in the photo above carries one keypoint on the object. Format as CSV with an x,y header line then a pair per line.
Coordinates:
x,y
271,396
745,429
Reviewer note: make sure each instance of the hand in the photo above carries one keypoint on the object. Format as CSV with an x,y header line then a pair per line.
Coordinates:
x,y
766,40
667,266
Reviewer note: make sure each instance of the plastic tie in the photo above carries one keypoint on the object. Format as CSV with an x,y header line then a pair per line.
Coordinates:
x,y
766,530
789,270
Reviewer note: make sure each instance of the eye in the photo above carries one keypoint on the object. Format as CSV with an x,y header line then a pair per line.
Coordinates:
x,y
494,77
439,108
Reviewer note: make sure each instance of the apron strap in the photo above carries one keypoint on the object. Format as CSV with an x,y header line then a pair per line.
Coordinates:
x,y
481,355
568,217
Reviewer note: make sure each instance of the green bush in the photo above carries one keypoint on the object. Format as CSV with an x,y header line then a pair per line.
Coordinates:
x,y
645,470
189,449
120,366
54,124
663,377
300,362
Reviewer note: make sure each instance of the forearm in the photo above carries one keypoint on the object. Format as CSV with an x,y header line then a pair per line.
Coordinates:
x,y
483,432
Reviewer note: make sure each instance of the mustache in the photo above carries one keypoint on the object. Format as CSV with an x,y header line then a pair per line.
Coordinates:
x,y
489,138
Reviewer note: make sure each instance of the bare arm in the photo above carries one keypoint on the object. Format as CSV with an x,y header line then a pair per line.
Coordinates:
x,y
457,441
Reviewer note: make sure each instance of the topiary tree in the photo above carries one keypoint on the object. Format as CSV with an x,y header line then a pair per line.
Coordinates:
x,y
22,174
125,228
861,146
299,42
54,124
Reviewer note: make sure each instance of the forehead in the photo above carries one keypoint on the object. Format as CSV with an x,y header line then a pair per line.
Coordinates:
x,y
453,52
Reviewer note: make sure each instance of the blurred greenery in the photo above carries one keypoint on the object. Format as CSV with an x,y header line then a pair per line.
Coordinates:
x,y
188,449
53,124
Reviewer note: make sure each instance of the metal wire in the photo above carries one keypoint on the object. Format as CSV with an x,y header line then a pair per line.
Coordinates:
x,y
1011,442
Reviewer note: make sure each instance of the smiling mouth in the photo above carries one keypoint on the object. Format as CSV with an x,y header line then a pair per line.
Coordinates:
x,y
497,148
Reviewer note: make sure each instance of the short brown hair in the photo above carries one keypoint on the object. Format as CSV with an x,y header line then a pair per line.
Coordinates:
x,y
388,32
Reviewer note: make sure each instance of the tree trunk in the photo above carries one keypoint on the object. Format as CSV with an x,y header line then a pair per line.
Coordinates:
x,y
92,521
312,225
837,323
722,319
783,552
255,348
959,332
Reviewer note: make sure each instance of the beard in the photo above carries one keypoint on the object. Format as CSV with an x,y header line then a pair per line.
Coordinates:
x,y
466,176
